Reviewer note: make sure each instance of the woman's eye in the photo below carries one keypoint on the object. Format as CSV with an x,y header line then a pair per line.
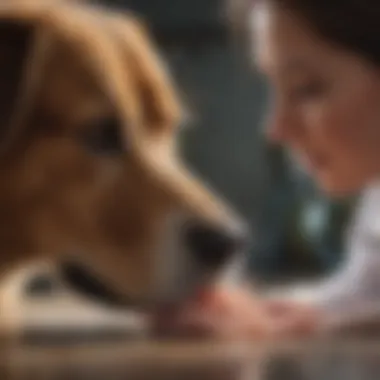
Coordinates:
x,y
307,91
103,137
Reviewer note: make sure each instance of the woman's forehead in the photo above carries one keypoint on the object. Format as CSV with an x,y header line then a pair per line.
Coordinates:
x,y
281,39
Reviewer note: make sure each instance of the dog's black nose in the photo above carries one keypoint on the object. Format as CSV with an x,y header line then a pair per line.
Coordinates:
x,y
212,247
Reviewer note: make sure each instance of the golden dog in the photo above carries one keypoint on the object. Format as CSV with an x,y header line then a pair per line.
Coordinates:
x,y
90,175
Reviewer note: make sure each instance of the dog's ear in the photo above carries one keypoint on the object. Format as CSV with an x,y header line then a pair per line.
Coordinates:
x,y
20,44
159,99
15,44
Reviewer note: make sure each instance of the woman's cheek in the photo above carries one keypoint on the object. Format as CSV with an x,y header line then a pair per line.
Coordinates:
x,y
322,124
335,124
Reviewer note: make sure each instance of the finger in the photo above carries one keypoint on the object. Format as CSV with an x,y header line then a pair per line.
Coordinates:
x,y
294,326
278,307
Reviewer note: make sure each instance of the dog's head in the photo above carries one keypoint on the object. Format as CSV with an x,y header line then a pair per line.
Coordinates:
x,y
88,160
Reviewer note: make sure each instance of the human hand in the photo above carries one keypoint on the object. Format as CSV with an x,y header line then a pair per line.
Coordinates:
x,y
240,314
293,319
218,313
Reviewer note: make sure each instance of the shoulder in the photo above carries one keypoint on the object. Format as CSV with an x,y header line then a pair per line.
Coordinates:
x,y
367,214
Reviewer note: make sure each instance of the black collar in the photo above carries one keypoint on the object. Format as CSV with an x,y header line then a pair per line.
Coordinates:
x,y
81,280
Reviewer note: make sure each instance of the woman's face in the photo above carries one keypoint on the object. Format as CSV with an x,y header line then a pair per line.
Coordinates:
x,y
326,101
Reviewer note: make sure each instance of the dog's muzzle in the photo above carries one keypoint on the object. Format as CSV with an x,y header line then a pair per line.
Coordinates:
x,y
212,251
213,247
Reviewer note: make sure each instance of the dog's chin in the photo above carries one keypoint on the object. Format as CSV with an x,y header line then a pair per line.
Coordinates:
x,y
164,315
82,281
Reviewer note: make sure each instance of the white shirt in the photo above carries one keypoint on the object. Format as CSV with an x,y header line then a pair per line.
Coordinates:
x,y
355,288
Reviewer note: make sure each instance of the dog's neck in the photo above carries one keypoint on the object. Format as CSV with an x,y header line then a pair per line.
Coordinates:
x,y
20,243
14,257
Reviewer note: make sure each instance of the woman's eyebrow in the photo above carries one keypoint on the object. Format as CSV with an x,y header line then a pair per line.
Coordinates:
x,y
290,66
295,65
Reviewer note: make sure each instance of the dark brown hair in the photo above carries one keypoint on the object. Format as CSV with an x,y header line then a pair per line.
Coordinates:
x,y
350,24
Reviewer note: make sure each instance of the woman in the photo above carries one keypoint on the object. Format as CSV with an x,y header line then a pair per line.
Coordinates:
x,y
322,61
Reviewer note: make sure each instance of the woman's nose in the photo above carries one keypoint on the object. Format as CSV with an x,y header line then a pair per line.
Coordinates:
x,y
273,133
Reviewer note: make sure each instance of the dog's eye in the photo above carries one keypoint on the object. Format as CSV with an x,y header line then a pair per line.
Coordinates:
x,y
103,137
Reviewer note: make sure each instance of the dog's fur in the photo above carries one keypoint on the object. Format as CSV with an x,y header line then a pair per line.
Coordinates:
x,y
67,70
